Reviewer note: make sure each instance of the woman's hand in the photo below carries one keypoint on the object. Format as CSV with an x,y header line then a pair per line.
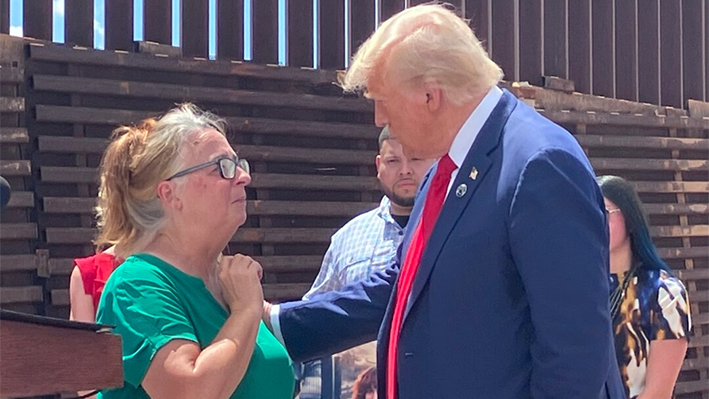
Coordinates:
x,y
181,369
240,278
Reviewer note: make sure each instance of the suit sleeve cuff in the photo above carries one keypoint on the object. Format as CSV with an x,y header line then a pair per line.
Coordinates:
x,y
276,324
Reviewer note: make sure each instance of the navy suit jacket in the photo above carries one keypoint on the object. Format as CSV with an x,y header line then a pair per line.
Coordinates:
x,y
510,300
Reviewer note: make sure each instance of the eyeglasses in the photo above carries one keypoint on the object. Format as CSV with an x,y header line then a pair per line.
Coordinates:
x,y
227,167
612,211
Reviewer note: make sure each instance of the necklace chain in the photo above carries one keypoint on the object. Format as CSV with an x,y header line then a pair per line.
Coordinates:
x,y
617,296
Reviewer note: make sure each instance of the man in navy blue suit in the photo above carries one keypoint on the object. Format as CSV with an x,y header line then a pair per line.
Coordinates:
x,y
500,288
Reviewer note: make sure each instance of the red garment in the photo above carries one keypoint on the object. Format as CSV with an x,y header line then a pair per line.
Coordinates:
x,y
432,207
95,271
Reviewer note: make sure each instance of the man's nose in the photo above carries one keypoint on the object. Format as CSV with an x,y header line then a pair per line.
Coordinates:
x,y
406,167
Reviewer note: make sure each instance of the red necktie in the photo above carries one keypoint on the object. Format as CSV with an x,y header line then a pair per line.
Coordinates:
x,y
432,207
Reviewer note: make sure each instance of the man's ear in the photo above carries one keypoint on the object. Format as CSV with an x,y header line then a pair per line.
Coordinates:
x,y
434,96
168,195
378,162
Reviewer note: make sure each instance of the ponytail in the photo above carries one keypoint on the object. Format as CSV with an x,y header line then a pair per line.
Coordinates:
x,y
129,211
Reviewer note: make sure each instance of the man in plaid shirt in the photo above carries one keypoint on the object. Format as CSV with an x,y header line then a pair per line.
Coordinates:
x,y
367,243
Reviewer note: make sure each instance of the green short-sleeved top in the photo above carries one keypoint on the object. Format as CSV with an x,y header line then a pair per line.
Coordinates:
x,y
151,303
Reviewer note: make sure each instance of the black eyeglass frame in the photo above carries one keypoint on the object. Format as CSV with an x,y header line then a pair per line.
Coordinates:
x,y
239,162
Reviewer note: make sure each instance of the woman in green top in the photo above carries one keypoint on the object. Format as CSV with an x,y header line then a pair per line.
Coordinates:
x,y
172,194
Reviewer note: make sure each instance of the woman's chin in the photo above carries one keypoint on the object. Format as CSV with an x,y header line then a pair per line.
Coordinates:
x,y
237,222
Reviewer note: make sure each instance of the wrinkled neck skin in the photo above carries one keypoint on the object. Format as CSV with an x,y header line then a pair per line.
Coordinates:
x,y
193,255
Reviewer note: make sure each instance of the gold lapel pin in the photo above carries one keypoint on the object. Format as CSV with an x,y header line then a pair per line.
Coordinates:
x,y
474,173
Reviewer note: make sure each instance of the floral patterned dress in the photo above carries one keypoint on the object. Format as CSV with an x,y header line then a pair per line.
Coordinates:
x,y
655,306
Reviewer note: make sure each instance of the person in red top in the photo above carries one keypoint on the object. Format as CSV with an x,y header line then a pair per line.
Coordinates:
x,y
86,284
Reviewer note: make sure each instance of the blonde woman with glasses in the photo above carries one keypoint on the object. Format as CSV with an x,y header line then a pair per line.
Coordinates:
x,y
172,195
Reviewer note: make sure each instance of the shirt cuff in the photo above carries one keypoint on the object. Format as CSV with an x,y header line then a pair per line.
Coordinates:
x,y
276,324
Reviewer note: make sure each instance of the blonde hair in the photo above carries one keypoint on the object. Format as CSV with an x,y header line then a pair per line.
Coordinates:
x,y
137,159
425,44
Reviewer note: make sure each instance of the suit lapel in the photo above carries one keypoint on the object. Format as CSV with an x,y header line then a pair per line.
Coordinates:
x,y
473,171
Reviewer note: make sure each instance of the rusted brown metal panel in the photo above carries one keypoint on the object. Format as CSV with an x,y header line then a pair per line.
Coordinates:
x,y
300,33
690,387
14,263
274,291
479,13
9,295
195,28
580,45
5,16
361,22
650,164
648,52
18,231
230,29
602,27
389,8
78,235
12,104
285,291
672,143
692,50
530,41
504,42
307,155
284,235
119,25
265,31
671,53
457,6
69,205
275,264
79,22
37,19
14,135
80,115
12,74
555,38
177,93
157,21
332,34
314,182
15,168
611,118
308,208
626,46
107,59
